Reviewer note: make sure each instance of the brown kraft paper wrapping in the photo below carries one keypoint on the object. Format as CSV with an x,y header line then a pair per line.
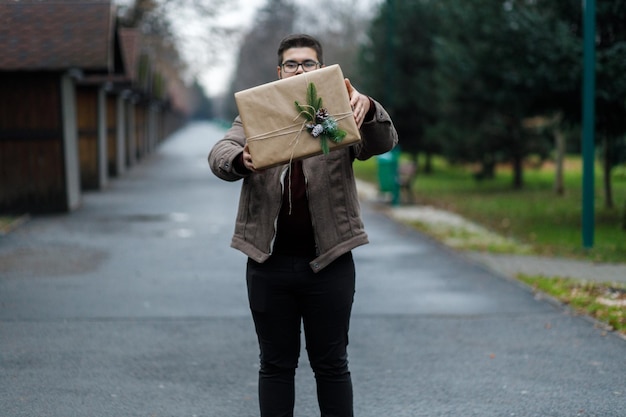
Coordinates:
x,y
276,133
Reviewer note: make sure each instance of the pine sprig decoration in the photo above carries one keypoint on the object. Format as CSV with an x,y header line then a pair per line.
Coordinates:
x,y
312,97
320,124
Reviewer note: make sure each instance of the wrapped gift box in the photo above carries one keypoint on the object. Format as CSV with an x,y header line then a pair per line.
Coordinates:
x,y
275,130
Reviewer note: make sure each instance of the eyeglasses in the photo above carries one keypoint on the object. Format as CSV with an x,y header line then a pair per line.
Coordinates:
x,y
292,66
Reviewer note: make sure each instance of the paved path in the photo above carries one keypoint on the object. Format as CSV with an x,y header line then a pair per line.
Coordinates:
x,y
134,305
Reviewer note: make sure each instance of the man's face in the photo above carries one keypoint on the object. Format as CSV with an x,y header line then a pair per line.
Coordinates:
x,y
304,56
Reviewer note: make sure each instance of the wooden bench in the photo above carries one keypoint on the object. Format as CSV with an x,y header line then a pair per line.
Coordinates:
x,y
407,173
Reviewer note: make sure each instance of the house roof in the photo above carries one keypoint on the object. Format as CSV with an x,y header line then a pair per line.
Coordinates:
x,y
127,52
56,34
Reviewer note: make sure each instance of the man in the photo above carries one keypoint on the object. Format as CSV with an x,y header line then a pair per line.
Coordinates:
x,y
298,224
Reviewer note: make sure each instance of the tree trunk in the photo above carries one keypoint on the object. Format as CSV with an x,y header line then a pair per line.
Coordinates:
x,y
428,164
559,159
518,172
624,217
487,170
606,165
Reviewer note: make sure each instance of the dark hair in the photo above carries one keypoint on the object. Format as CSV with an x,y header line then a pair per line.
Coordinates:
x,y
299,40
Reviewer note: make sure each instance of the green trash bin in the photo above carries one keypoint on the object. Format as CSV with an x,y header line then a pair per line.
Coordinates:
x,y
388,174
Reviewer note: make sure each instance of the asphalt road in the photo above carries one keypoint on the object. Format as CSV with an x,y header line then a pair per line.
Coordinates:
x,y
135,305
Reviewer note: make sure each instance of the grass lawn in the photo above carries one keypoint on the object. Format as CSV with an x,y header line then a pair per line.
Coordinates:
x,y
534,216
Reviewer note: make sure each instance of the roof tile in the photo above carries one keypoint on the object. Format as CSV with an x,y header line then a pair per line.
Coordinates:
x,y
56,34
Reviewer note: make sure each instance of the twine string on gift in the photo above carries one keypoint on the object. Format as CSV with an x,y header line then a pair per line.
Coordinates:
x,y
310,112
284,132
293,144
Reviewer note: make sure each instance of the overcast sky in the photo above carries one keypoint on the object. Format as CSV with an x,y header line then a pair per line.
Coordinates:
x,y
216,79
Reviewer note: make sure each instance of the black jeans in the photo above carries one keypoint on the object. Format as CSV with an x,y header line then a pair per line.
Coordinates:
x,y
283,293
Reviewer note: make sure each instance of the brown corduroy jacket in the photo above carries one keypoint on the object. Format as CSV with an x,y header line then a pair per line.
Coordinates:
x,y
331,191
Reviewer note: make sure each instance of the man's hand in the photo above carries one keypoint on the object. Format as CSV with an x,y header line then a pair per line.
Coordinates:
x,y
359,102
247,159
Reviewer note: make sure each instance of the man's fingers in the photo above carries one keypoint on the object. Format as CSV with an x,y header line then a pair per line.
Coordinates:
x,y
358,102
247,158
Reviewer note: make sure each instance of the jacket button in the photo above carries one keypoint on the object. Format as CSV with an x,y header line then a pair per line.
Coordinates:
x,y
316,265
227,165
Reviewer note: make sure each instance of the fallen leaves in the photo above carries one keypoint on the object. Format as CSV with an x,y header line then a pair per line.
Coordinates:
x,y
606,302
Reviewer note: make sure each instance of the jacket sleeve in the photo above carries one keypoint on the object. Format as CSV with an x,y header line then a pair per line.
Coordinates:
x,y
223,156
377,135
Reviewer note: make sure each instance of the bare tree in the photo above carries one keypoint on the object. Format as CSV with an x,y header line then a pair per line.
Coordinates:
x,y
180,39
257,59
336,23
257,56
187,34
340,26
